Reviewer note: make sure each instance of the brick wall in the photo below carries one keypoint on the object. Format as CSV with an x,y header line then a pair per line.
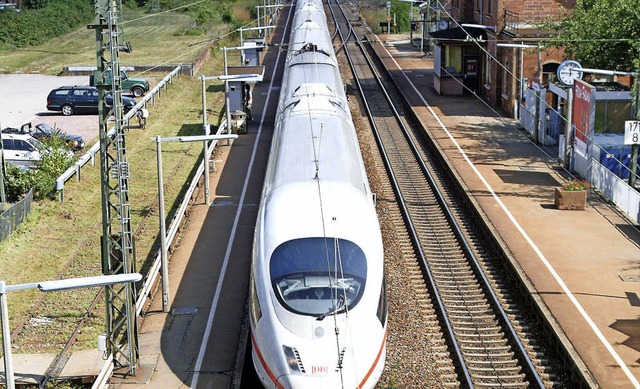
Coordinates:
x,y
536,10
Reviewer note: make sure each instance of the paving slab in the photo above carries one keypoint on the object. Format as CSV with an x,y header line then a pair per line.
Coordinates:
x,y
580,264
28,368
84,363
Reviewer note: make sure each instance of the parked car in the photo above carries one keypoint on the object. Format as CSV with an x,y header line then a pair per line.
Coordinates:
x,y
21,150
81,99
137,86
43,130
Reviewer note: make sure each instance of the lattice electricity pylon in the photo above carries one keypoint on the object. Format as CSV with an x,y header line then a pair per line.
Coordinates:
x,y
155,5
117,238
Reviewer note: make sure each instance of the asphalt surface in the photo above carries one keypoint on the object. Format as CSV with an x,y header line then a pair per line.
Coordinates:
x,y
23,98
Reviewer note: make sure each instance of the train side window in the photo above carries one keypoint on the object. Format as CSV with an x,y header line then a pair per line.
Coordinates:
x,y
256,312
382,304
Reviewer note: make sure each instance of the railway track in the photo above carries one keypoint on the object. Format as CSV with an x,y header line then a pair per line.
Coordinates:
x,y
69,271
493,338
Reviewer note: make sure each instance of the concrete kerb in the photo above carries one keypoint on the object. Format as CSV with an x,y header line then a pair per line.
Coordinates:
x,y
153,276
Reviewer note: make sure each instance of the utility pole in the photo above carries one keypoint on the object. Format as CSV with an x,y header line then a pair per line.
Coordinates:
x,y
633,166
3,195
388,17
567,130
117,238
536,137
410,22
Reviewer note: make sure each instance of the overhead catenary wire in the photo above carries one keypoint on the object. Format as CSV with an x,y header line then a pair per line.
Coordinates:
x,y
583,312
346,305
503,66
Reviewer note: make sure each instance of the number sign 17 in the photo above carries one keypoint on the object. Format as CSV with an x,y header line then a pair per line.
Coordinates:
x,y
632,132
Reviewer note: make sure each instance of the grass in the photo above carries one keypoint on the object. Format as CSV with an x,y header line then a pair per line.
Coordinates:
x,y
152,37
59,233
62,240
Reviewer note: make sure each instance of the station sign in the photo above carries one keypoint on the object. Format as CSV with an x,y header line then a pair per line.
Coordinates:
x,y
632,132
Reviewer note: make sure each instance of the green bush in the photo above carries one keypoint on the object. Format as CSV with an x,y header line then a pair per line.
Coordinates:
x,y
55,160
18,182
35,26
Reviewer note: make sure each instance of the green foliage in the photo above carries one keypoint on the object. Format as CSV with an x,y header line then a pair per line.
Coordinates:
x,y
35,26
401,11
55,160
576,185
34,4
210,13
18,182
602,34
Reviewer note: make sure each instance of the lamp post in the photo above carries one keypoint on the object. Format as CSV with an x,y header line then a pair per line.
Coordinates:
x,y
205,131
163,229
388,17
48,286
259,29
265,33
205,125
3,196
411,16
520,46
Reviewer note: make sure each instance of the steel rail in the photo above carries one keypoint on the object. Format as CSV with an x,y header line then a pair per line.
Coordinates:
x,y
532,373
405,213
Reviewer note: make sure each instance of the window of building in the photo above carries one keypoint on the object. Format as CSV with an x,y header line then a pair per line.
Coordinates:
x,y
489,4
506,79
452,60
487,71
611,115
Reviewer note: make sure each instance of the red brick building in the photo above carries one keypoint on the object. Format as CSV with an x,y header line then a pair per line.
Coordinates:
x,y
485,59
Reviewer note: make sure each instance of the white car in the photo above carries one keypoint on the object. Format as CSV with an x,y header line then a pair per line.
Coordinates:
x,y
21,149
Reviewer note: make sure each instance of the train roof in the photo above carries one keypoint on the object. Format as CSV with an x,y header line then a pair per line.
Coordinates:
x,y
316,138
298,211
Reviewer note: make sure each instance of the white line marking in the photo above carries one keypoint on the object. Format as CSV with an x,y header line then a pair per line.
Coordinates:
x,y
535,248
214,303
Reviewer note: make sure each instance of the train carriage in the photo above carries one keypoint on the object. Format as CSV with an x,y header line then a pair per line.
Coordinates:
x,y
318,309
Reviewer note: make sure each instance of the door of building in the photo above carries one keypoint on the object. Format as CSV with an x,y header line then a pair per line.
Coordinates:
x,y
471,71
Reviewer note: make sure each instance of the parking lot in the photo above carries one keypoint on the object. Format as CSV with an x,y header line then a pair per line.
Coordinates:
x,y
24,99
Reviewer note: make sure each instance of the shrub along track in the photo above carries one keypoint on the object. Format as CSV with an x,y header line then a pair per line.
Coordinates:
x,y
36,337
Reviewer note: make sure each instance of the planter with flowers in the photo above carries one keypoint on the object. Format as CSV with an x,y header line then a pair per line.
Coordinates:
x,y
572,195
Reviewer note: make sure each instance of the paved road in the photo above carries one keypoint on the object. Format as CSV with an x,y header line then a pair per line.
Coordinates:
x,y
24,98
25,95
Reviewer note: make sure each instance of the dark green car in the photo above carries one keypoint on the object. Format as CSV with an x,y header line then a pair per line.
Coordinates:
x,y
136,86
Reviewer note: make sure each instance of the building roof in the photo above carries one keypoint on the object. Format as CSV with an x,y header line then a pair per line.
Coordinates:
x,y
459,34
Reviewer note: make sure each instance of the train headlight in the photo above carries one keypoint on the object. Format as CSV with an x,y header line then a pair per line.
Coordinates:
x,y
291,357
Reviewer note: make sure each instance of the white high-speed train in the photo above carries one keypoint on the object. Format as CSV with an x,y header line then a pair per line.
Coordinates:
x,y
318,307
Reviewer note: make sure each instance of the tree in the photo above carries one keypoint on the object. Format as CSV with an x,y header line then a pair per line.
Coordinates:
x,y
601,34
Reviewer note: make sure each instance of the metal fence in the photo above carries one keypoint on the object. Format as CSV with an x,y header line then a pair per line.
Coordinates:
x,y
90,155
12,217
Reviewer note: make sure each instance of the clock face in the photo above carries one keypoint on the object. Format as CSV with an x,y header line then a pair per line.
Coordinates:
x,y
443,24
568,71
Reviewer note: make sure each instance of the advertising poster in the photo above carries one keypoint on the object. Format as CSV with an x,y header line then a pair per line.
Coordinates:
x,y
584,114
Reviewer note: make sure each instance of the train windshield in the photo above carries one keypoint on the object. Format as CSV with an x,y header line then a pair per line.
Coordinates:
x,y
318,276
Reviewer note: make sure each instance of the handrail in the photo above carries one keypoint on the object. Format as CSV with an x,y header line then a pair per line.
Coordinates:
x,y
172,231
90,154
154,271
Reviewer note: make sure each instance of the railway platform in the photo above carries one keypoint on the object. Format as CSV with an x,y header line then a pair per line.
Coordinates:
x,y
584,266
